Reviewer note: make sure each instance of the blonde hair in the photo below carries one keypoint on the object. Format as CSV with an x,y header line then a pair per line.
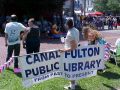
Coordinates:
x,y
97,34
85,31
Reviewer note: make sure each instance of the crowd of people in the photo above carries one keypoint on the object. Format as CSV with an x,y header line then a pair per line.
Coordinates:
x,y
30,35
46,26
97,21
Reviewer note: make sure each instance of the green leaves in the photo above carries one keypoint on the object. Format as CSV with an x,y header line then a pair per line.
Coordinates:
x,y
107,5
113,5
30,7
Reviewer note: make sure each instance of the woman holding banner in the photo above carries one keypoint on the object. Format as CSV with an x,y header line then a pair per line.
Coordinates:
x,y
71,43
94,38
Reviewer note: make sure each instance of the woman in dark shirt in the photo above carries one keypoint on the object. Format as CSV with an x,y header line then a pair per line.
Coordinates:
x,y
32,37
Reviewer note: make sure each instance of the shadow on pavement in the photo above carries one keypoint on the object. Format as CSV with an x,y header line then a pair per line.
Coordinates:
x,y
2,35
119,65
79,88
10,69
55,41
107,67
110,75
112,61
18,74
51,41
110,87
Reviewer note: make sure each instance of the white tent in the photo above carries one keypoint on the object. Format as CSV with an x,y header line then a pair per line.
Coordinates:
x,y
78,12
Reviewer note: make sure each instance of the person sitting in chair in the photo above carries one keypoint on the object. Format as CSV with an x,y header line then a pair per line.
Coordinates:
x,y
115,50
54,32
117,43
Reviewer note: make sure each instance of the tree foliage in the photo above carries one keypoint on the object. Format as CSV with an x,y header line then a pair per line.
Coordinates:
x,y
100,5
114,5
30,7
107,5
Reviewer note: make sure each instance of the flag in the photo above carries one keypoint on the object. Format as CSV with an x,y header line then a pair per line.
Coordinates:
x,y
7,64
3,67
107,51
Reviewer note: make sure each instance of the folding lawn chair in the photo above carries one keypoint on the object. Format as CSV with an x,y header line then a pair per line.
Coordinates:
x,y
116,54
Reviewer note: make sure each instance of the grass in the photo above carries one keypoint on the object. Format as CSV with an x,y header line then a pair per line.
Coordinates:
x,y
109,80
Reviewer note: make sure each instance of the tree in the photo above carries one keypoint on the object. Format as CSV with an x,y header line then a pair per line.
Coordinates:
x,y
107,5
114,5
100,5
2,5
30,7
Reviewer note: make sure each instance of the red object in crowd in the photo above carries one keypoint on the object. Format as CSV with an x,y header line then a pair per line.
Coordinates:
x,y
118,24
96,13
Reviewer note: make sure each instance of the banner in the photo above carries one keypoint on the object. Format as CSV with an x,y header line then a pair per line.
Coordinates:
x,y
81,63
39,67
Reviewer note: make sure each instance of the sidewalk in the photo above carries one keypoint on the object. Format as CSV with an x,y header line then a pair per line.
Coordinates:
x,y
49,44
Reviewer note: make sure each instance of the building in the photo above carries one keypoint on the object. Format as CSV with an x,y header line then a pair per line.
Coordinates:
x,y
86,6
68,8
89,6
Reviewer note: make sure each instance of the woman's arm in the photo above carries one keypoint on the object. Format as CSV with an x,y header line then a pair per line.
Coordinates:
x,y
24,36
6,37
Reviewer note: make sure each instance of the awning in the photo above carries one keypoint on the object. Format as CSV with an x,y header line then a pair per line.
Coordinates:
x,y
96,13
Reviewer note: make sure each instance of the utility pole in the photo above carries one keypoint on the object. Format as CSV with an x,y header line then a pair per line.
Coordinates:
x,y
73,8
84,10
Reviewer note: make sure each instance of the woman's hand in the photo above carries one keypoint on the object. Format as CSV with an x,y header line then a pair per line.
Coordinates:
x,y
24,45
62,50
